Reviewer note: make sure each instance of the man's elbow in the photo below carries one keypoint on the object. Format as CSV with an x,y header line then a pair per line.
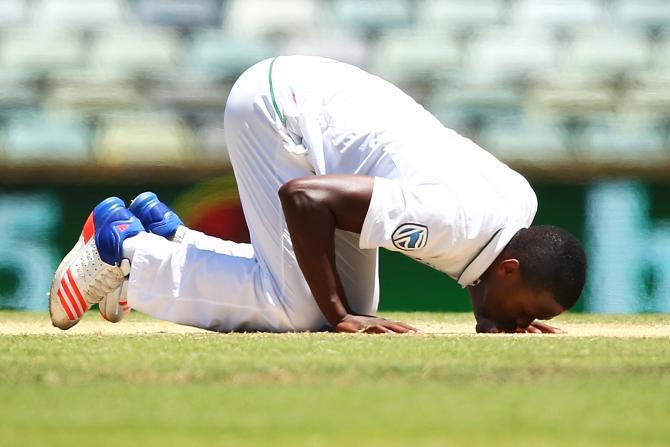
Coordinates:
x,y
296,194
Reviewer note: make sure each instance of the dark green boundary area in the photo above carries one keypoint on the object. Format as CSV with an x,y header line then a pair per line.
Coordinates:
x,y
405,285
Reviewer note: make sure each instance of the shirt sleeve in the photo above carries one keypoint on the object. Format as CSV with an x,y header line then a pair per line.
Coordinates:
x,y
411,217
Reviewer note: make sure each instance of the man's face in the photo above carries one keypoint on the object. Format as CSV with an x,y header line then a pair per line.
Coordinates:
x,y
510,303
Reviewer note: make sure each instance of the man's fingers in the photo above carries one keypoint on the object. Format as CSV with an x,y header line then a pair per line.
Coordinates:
x,y
408,327
377,329
536,327
545,328
399,328
373,325
532,330
386,328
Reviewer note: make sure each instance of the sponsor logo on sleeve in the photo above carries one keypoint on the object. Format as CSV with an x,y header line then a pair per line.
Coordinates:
x,y
410,236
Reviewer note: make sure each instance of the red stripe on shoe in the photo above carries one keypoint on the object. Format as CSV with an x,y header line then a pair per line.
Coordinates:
x,y
65,307
81,299
71,298
89,229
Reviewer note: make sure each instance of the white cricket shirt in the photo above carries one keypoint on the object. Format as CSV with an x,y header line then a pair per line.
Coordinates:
x,y
438,197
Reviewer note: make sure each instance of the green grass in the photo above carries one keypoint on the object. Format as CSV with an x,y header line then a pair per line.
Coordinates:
x,y
167,389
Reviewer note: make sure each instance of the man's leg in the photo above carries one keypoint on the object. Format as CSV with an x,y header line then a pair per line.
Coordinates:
x,y
358,270
203,241
257,145
158,218
187,292
218,284
255,139
189,285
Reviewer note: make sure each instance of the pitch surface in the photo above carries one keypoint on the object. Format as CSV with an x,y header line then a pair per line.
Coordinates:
x,y
143,382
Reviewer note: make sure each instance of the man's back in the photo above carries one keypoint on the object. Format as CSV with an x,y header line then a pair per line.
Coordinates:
x,y
353,122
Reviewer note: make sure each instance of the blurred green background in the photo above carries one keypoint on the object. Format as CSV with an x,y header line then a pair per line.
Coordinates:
x,y
113,97
623,223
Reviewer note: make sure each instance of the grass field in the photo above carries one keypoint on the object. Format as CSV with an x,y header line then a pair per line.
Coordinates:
x,y
149,383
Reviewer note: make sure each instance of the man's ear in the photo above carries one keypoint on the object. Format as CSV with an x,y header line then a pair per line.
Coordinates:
x,y
508,267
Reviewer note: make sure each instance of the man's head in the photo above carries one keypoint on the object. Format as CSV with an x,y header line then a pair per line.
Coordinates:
x,y
540,274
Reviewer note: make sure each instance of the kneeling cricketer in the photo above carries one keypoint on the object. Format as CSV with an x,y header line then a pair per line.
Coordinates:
x,y
331,163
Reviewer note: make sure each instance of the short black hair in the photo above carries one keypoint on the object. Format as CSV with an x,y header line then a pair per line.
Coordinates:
x,y
550,259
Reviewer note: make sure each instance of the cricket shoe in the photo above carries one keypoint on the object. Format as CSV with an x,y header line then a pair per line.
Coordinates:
x,y
156,216
94,267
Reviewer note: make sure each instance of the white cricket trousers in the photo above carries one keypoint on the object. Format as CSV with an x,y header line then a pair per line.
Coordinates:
x,y
224,286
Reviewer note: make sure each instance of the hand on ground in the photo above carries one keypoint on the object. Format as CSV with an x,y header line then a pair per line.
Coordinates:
x,y
540,327
372,325
536,327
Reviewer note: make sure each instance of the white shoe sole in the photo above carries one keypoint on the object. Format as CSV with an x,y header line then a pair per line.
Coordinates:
x,y
59,316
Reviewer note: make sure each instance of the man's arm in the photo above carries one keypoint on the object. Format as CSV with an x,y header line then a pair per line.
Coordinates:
x,y
314,207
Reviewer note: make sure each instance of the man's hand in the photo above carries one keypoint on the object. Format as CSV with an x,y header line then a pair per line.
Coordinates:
x,y
539,327
485,326
372,325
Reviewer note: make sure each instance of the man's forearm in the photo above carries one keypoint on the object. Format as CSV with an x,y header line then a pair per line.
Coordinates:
x,y
314,207
312,227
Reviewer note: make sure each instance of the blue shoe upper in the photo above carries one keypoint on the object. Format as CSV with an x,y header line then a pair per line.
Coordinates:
x,y
113,224
156,216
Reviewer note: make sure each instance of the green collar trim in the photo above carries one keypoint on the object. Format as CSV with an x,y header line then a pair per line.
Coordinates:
x,y
272,94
